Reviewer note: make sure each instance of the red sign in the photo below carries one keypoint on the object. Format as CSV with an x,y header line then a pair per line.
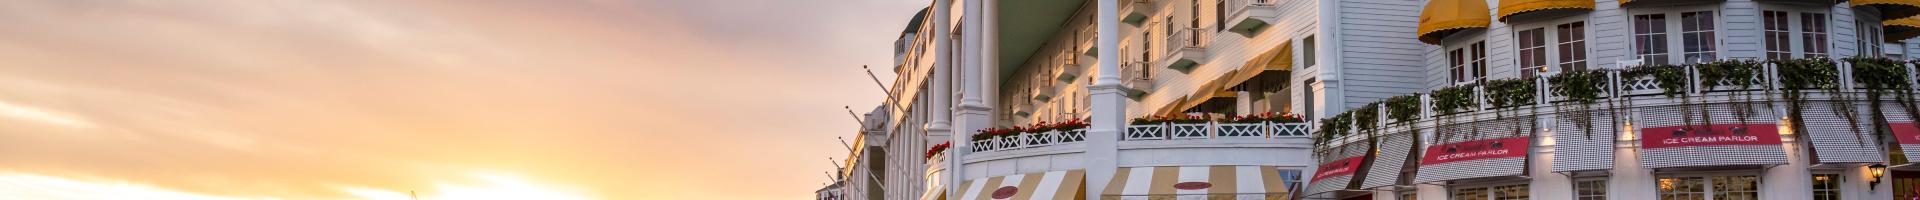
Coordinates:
x,y
1340,167
1907,132
1713,135
1476,150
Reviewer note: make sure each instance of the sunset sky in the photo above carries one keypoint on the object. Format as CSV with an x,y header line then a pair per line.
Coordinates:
x,y
370,99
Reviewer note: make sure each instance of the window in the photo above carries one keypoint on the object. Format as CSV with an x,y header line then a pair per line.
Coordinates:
x,y
1573,46
1468,64
1409,196
1813,34
1470,194
1869,40
1219,15
1533,52
1503,192
1307,49
1778,45
1592,189
1696,36
1650,38
1306,89
1736,187
1146,45
1826,187
1195,14
1682,188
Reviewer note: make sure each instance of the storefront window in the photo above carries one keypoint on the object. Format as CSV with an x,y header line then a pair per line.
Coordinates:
x,y
1682,188
1594,189
1470,194
1510,192
1906,184
1409,196
1736,187
1826,187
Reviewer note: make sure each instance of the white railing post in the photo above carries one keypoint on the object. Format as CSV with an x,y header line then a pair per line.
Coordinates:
x,y
1693,79
1846,76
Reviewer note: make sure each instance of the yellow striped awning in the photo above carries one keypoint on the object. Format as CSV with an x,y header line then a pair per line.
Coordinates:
x,y
1280,58
1199,182
1891,9
1037,185
935,193
1902,29
1510,8
1213,89
1172,107
1444,17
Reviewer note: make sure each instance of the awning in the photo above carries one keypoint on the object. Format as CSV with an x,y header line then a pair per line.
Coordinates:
x,y
1576,148
1172,107
1625,3
1208,91
1666,140
1393,158
1891,9
1905,131
1491,148
1444,17
1038,185
1275,62
1835,141
1902,29
1509,8
1201,182
1339,167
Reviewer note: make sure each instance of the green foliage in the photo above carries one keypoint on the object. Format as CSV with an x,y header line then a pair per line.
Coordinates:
x,y
1740,72
1671,79
1510,92
1808,73
1367,117
1404,108
1334,127
1580,86
1452,100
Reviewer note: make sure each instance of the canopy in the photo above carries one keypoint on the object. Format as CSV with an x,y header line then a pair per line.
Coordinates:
x,y
1444,17
1275,62
1667,139
1205,92
1891,9
1510,8
1902,29
1201,182
1172,107
1037,185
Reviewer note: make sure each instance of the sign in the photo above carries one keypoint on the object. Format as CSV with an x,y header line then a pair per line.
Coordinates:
x,y
1711,135
1513,147
1906,132
1342,167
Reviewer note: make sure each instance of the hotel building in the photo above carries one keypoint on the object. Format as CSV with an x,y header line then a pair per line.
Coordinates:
x,y
1407,99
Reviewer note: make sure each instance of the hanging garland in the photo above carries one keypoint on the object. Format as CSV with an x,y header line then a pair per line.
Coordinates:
x,y
1333,127
1882,76
1404,109
1738,73
1672,81
1797,76
1367,118
1581,88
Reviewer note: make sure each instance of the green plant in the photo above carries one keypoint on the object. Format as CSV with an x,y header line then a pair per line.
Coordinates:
x,y
1741,74
1798,76
1334,127
1508,93
1367,117
1404,109
1881,77
1582,89
1672,80
1452,100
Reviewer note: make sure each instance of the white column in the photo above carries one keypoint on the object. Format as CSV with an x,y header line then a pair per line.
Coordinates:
x,y
1108,102
942,90
990,59
972,113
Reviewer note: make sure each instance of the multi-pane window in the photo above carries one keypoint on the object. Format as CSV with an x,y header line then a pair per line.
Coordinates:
x,y
1826,187
1736,187
1779,46
1650,38
1813,34
1869,41
1696,36
1307,52
1682,188
1468,64
1533,52
1511,192
1595,189
1470,194
1573,46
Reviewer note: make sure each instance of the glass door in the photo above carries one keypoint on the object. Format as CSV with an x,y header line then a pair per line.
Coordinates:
x,y
1733,187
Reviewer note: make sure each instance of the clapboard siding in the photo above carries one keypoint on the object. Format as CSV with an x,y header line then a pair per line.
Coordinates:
x,y
1379,56
1610,39
1742,30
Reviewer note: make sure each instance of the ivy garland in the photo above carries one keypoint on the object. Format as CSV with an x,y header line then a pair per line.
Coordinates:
x,y
1672,81
1404,109
1739,73
1797,76
1881,76
1581,88
1509,93
1333,127
1367,117
1452,100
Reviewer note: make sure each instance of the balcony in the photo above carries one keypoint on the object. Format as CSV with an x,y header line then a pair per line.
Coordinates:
x,y
1136,11
1187,48
1215,130
1137,78
1247,17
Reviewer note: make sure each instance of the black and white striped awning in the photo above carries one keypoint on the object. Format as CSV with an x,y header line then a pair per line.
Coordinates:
x,y
1393,157
1490,148
1835,140
1585,145
1339,167
1667,139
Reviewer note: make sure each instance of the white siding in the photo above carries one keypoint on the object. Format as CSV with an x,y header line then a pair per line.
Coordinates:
x,y
1378,55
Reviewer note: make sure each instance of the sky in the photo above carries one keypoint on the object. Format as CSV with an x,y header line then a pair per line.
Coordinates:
x,y
377,99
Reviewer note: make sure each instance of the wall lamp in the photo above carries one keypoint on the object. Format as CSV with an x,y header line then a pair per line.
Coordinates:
x,y
1877,170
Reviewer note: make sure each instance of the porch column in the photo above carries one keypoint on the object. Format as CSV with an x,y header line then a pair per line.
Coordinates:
x,y
972,113
940,127
1109,102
